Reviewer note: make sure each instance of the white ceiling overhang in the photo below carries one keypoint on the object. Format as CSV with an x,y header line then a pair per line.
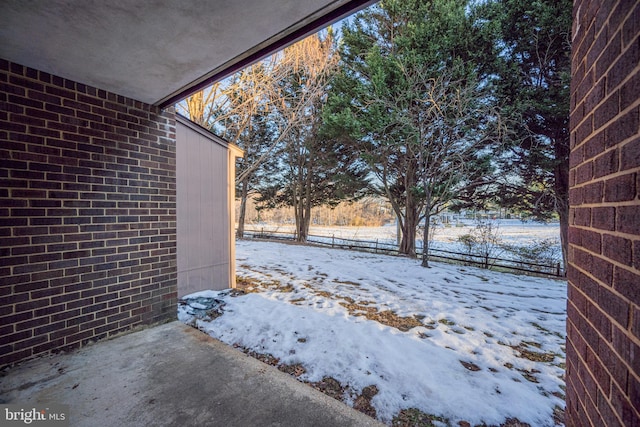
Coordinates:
x,y
156,51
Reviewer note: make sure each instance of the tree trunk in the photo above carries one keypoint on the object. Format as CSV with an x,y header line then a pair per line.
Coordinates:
x,y
299,210
427,225
297,203
244,195
304,229
408,242
563,213
561,175
302,220
307,206
411,216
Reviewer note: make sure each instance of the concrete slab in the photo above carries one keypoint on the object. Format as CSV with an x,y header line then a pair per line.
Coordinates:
x,y
171,375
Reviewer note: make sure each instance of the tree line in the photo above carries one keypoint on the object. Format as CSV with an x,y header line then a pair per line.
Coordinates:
x,y
430,104
366,212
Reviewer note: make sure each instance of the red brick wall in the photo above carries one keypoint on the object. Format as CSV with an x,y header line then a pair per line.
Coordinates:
x,y
603,344
87,213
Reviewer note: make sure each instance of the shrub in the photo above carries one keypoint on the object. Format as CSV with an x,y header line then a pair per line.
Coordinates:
x,y
482,242
546,252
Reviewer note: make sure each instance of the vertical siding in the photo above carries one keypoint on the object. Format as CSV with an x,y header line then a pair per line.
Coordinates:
x,y
204,255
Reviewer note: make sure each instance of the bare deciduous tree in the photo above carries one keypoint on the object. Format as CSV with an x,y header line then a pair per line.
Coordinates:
x,y
316,169
261,107
202,107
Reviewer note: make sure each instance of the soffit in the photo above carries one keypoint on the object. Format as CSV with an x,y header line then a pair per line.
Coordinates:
x,y
155,51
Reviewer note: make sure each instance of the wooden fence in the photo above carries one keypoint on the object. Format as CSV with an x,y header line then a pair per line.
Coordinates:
x,y
382,247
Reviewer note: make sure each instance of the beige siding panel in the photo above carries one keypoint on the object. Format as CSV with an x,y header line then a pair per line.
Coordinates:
x,y
204,255
182,226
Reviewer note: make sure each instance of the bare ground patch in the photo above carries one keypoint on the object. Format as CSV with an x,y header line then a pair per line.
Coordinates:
x,y
535,356
347,282
329,386
470,366
363,402
267,358
367,309
387,317
413,417
294,370
250,285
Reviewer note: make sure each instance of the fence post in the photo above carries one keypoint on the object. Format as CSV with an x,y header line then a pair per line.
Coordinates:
x,y
333,240
558,269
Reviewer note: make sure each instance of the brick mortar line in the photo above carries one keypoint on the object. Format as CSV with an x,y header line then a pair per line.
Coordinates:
x,y
580,407
591,43
618,295
594,134
590,114
632,237
614,263
612,321
607,150
612,383
581,398
626,204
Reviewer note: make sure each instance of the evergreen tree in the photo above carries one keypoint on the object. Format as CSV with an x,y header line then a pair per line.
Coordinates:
x,y
412,97
255,138
532,64
315,168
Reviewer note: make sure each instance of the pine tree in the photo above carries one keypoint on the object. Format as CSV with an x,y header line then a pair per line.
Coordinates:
x,y
314,168
412,97
532,64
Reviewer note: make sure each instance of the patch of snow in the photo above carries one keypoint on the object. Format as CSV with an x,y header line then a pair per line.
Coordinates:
x,y
311,312
509,231
512,230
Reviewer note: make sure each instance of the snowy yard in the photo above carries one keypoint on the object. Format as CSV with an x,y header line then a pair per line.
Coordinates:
x,y
509,230
455,345
512,233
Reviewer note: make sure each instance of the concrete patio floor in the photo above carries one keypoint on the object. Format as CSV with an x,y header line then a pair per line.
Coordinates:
x,y
171,375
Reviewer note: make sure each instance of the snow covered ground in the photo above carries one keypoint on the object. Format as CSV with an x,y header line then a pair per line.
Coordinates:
x,y
457,343
509,231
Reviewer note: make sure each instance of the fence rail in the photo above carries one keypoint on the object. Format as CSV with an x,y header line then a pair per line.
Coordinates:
x,y
382,247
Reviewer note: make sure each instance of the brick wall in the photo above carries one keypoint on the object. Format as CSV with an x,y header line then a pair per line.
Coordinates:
x,y
87,213
603,345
